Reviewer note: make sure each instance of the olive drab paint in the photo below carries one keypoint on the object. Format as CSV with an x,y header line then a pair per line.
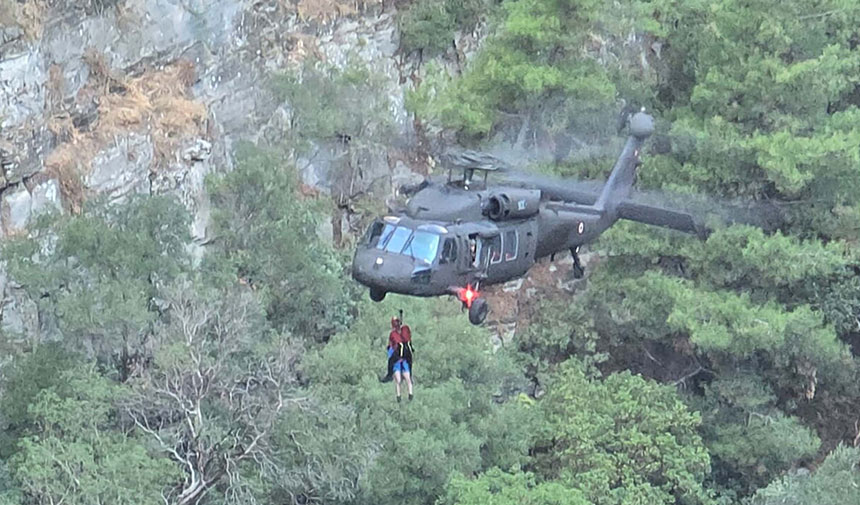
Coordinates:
x,y
457,236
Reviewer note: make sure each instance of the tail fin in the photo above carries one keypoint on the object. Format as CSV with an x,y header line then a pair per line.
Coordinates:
x,y
620,181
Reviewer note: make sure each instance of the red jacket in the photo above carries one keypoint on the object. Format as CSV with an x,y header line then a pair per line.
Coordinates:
x,y
395,338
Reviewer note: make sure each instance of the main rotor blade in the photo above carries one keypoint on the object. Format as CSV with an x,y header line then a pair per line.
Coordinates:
x,y
469,159
556,188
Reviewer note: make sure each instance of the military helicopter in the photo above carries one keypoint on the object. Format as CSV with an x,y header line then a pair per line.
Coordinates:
x,y
458,236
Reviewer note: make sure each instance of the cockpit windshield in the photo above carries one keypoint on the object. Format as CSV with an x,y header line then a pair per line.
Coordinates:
x,y
421,244
398,239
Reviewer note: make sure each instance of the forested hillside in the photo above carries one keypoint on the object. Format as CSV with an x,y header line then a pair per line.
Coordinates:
x,y
200,340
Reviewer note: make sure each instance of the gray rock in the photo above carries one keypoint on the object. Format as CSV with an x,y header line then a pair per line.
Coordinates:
x,y
198,199
186,180
374,41
235,44
325,231
4,280
19,315
10,33
402,175
15,209
23,149
122,169
513,285
46,198
503,335
800,472
22,91
314,169
199,151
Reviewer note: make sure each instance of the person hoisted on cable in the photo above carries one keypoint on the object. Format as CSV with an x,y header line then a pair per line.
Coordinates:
x,y
399,356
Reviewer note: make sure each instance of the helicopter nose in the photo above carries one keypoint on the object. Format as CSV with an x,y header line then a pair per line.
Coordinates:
x,y
385,271
373,268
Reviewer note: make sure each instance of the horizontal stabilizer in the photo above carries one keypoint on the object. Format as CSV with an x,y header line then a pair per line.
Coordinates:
x,y
657,216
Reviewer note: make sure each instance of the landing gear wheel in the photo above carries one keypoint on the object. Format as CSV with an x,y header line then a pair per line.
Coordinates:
x,y
377,295
478,311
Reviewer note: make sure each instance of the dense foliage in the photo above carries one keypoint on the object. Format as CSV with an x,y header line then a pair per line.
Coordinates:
x,y
754,101
682,372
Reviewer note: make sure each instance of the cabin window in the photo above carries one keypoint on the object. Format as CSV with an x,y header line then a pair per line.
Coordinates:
x,y
473,250
495,249
511,244
449,251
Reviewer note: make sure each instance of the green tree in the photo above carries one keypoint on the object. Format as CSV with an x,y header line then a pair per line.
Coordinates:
x,y
323,453
835,482
339,120
541,64
28,375
770,104
623,439
750,440
96,275
495,487
78,455
556,331
430,26
327,103
9,493
218,380
267,237
459,420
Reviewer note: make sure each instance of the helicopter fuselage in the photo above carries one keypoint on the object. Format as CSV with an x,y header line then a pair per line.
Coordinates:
x,y
480,237
457,237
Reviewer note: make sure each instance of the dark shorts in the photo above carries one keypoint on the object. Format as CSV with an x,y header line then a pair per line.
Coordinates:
x,y
401,365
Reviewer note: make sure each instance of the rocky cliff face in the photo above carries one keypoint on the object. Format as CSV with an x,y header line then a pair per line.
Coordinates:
x,y
113,97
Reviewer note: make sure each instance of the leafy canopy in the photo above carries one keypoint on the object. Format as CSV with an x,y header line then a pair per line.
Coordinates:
x,y
78,454
623,439
267,237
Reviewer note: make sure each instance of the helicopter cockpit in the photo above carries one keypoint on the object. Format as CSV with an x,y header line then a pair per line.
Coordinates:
x,y
421,243
403,255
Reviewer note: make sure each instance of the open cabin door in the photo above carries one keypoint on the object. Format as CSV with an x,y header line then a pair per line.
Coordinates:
x,y
477,257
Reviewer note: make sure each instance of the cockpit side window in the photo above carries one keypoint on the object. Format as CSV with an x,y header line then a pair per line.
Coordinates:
x,y
385,235
449,251
374,232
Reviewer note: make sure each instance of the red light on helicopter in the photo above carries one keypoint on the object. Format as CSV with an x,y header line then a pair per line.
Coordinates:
x,y
468,295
